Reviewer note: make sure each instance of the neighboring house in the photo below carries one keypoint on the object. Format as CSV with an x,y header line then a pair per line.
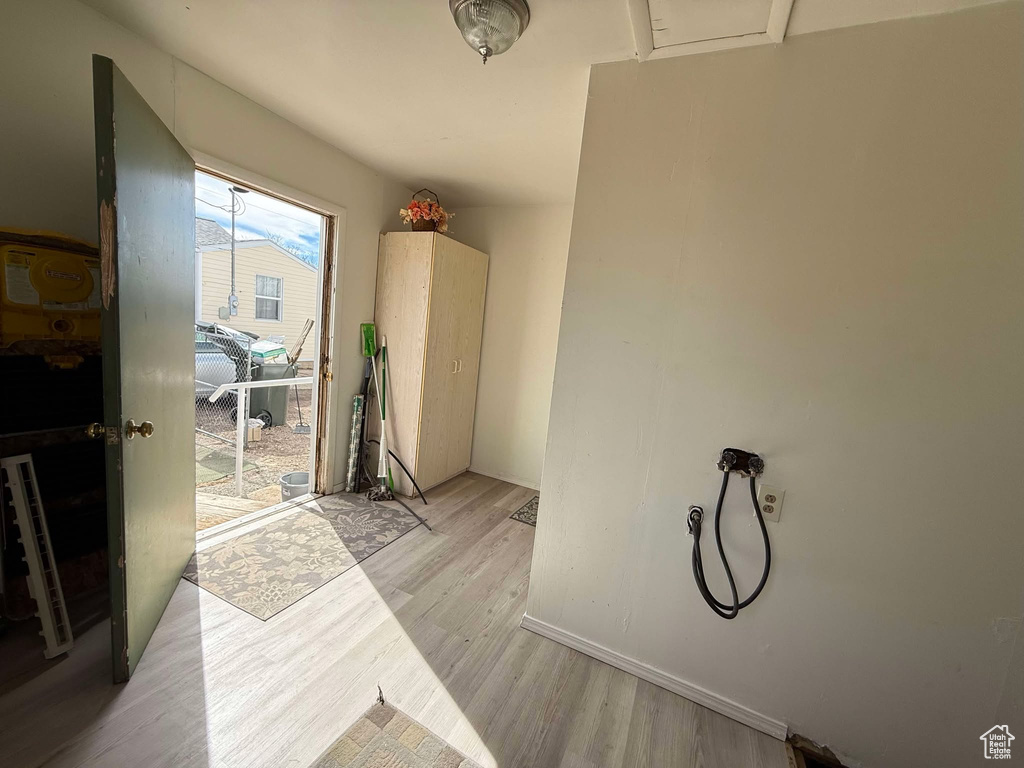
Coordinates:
x,y
276,290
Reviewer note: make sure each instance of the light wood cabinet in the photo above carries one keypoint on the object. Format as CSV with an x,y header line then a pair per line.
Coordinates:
x,y
430,307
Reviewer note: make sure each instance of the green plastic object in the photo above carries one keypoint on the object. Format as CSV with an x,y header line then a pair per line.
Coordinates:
x,y
369,335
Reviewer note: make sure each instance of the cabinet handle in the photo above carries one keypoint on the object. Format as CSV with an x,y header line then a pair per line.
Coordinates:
x,y
460,365
455,366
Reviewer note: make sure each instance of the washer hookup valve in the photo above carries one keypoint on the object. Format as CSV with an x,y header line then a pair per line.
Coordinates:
x,y
741,462
694,517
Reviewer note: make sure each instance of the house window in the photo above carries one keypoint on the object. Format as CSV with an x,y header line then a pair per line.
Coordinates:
x,y
268,297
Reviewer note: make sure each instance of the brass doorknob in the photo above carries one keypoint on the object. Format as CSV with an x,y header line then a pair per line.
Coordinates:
x,y
131,429
94,430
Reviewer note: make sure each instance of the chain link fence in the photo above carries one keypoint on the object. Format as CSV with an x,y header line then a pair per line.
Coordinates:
x,y
221,358
281,435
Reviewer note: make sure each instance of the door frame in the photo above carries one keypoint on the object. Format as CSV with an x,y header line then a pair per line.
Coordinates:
x,y
325,415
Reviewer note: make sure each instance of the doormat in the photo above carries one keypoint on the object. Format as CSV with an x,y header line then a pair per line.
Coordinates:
x,y
266,570
528,512
386,738
213,465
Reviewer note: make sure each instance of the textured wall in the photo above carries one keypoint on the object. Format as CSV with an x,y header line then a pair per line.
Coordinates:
x,y
528,246
813,251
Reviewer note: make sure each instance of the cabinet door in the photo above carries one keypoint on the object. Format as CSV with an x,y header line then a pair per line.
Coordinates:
x,y
471,285
440,368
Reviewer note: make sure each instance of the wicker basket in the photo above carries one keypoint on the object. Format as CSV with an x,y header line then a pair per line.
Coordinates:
x,y
425,225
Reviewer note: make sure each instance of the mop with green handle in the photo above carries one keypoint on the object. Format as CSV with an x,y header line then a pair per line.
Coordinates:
x,y
383,492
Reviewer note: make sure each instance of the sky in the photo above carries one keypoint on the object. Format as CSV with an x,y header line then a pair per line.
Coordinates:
x,y
298,228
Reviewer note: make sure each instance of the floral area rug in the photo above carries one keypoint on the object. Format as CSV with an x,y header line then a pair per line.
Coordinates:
x,y
528,512
387,738
266,570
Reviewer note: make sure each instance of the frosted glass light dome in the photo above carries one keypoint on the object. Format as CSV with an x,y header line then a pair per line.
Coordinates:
x,y
490,26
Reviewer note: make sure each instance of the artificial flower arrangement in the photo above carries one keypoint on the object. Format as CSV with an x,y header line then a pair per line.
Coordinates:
x,y
426,215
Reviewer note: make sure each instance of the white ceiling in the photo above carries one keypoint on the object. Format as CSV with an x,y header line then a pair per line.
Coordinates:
x,y
687,21
392,83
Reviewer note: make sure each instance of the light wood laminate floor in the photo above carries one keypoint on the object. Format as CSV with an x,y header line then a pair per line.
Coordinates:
x,y
433,619
212,510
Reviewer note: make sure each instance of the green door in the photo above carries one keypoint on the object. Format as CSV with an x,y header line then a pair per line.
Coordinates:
x,y
147,249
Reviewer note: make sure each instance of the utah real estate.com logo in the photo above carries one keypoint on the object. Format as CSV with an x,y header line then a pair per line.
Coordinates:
x,y
997,742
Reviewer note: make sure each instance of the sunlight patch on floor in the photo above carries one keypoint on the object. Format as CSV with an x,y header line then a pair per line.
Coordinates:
x,y
309,672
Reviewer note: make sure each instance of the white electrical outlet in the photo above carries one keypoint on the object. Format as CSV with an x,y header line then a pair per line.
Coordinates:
x,y
769,499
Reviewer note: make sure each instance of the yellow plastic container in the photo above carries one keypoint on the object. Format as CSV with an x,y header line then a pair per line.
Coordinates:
x,y
50,288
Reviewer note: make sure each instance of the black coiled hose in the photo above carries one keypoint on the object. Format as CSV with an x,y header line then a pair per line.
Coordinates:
x,y
694,519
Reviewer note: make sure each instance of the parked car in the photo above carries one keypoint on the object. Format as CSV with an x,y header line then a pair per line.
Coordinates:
x,y
225,355
222,357
213,367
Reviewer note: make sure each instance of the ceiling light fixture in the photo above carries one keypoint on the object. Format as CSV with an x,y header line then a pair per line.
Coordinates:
x,y
490,26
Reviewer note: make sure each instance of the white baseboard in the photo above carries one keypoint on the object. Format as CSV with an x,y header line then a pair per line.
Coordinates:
x,y
531,484
676,685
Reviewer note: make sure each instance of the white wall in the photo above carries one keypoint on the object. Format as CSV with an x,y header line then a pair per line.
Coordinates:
x,y
48,150
528,247
814,251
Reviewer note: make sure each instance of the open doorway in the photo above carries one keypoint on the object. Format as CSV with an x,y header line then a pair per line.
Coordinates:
x,y
260,299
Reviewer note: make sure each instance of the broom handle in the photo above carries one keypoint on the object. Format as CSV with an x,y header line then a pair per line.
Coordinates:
x,y
384,403
383,377
383,463
376,383
295,388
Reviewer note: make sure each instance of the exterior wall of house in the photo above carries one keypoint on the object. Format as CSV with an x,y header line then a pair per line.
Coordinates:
x,y
299,291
